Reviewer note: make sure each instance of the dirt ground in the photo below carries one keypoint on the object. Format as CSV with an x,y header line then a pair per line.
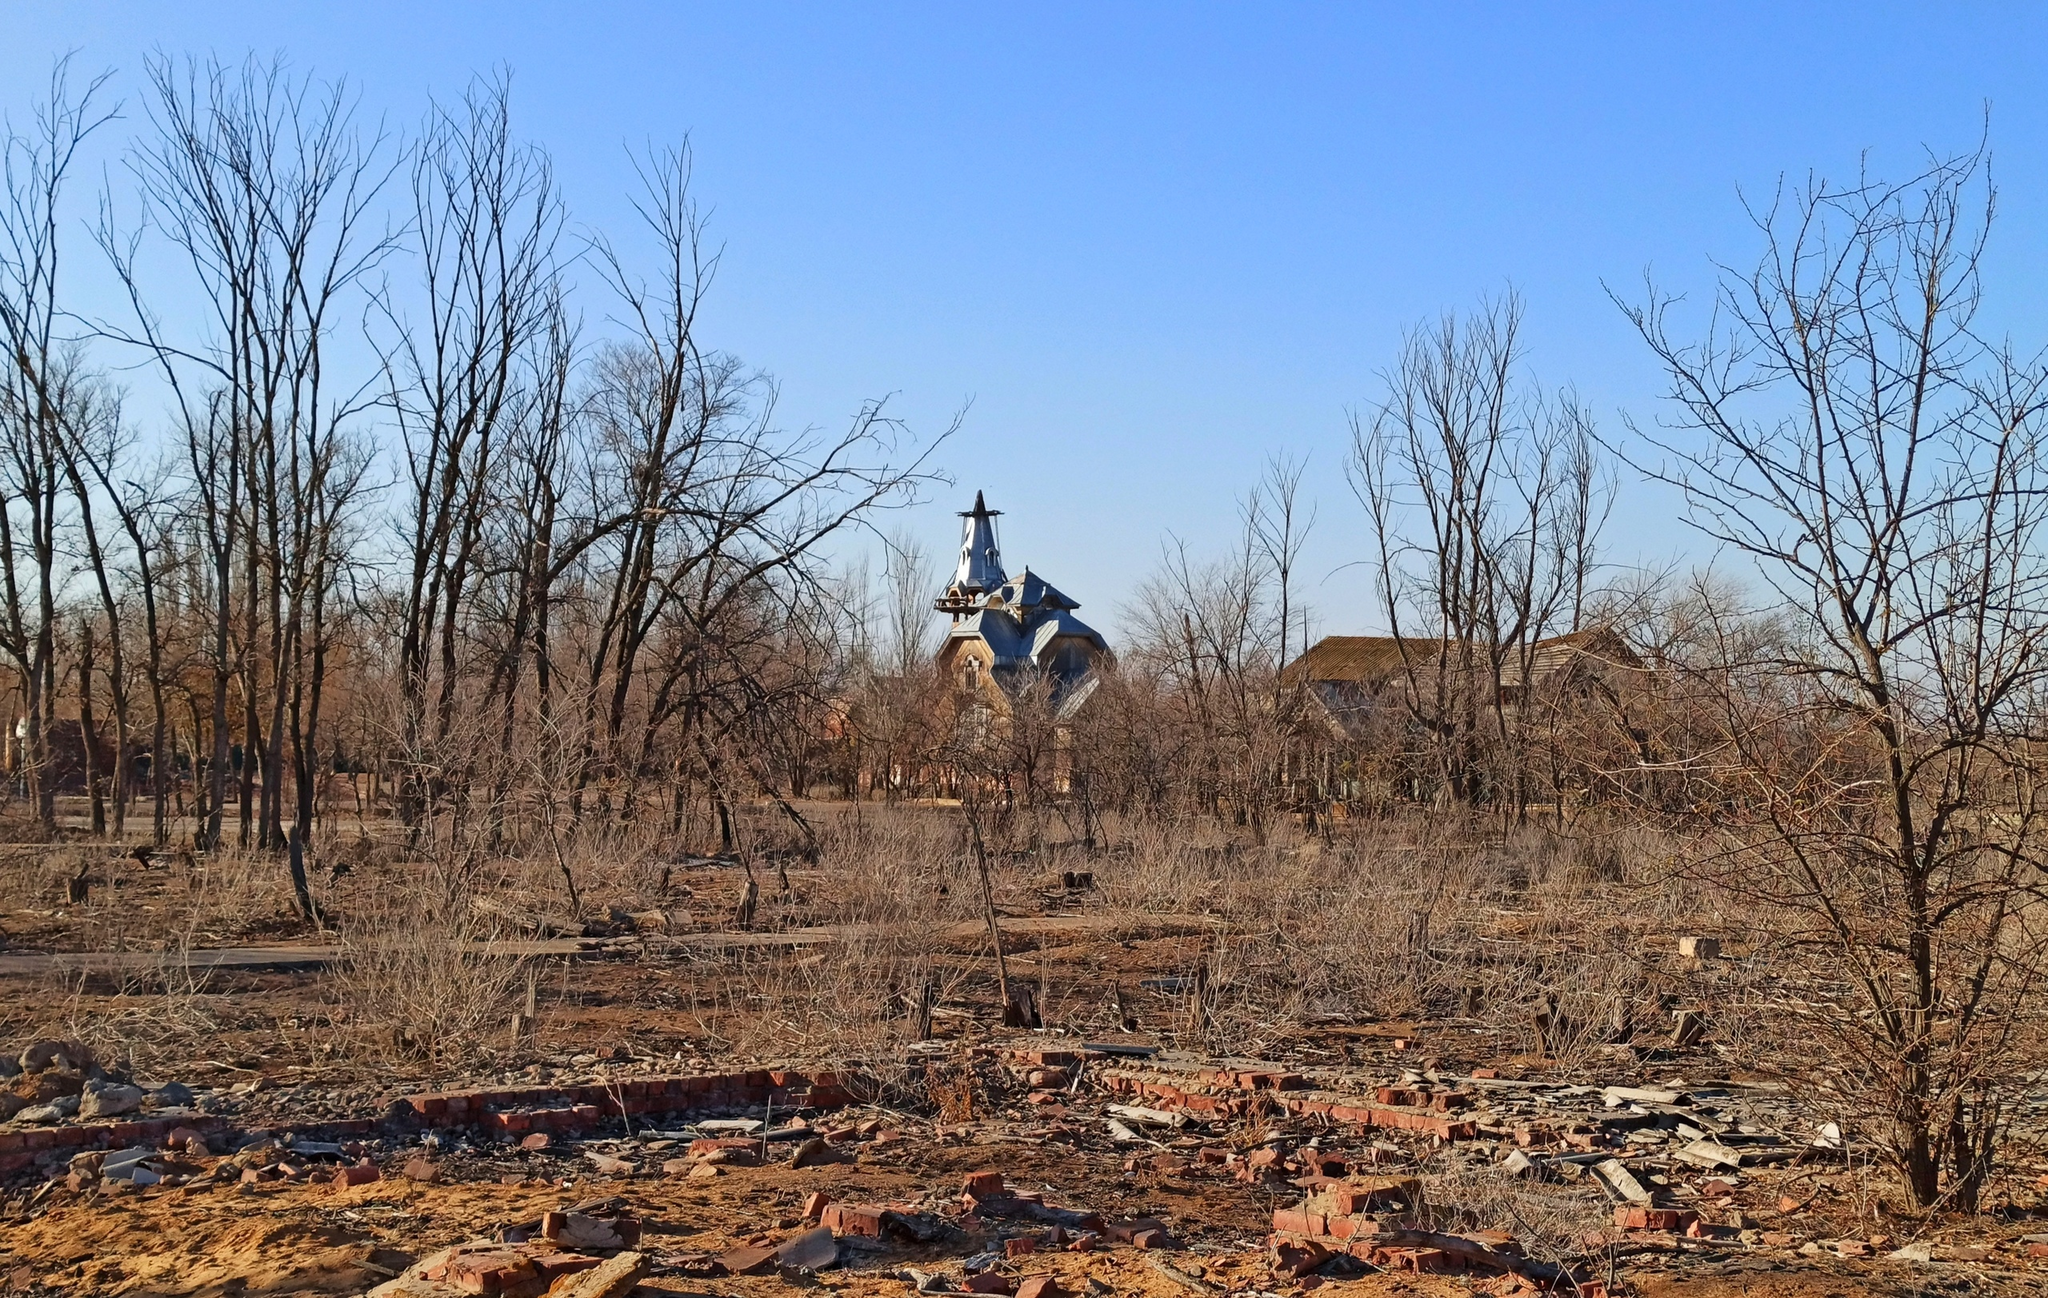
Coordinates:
x,y
828,976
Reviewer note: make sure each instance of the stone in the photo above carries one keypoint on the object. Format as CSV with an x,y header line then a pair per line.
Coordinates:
x,y
1912,1253
171,1095
63,1056
579,1230
606,1165
705,1171
108,1100
9,1066
535,1141
816,1153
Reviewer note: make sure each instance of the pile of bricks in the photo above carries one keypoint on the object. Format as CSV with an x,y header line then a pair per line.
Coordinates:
x,y
1234,1093
574,1108
20,1149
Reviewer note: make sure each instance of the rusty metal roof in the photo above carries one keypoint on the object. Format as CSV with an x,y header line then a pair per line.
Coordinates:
x,y
1358,658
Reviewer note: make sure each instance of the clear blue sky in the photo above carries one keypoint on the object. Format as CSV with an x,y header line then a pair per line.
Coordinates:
x,y
1153,244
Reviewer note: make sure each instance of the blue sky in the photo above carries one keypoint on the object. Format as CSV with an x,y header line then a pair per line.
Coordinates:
x,y
1152,245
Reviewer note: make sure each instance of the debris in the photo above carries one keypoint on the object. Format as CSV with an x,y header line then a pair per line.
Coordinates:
x,y
1182,1278
1700,948
816,1153
814,1250
108,1100
1620,1184
611,1279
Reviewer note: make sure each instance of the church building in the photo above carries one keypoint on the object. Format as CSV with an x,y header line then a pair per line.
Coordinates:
x,y
1010,633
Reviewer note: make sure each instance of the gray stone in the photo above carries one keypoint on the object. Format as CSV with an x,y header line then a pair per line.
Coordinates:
x,y
171,1095
9,1066
109,1100
1913,1253
40,1114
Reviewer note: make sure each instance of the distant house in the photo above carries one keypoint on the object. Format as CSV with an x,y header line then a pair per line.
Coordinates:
x,y
1357,692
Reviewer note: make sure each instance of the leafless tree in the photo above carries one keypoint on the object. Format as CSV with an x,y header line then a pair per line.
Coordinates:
x,y
262,185
1842,425
41,384
485,223
1483,500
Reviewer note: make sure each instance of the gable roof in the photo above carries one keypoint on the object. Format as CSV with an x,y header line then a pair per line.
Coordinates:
x,y
1354,658
1028,590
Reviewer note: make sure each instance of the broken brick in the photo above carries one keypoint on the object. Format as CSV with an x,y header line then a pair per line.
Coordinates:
x,y
983,1184
361,1174
1040,1286
988,1282
749,1259
1293,1257
852,1219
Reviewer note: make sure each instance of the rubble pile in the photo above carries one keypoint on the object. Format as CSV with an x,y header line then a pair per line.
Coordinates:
x,y
1075,1166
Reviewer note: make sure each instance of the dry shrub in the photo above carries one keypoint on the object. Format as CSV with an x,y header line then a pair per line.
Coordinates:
x,y
428,981
1420,919
1551,1219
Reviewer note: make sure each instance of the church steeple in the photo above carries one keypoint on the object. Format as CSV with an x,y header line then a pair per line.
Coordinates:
x,y
981,562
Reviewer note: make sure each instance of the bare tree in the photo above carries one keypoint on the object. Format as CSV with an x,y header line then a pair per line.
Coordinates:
x,y
41,383
1842,426
1483,501
485,224
261,183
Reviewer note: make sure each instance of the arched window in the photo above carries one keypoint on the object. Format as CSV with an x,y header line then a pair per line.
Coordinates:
x,y
973,672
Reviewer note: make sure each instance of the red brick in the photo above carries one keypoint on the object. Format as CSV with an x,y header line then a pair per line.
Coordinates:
x,y
1127,1231
1154,1238
1293,1257
987,1282
984,1184
1295,1221
853,1219
1019,1246
1040,1286
814,1207
361,1174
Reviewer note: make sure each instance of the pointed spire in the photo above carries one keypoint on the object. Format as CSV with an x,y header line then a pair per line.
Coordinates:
x,y
981,563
